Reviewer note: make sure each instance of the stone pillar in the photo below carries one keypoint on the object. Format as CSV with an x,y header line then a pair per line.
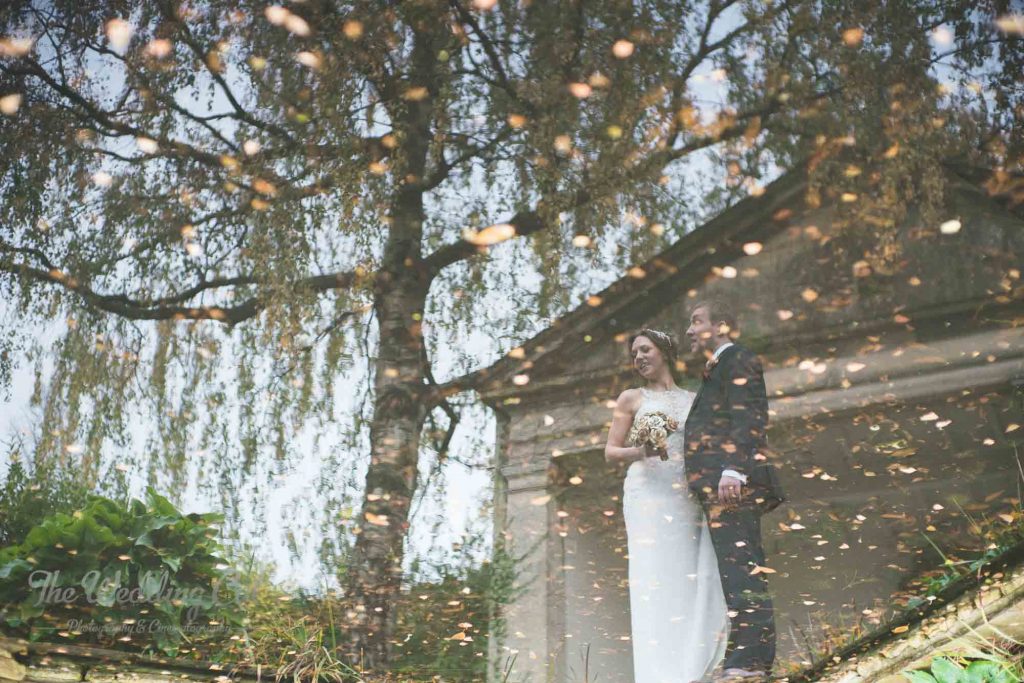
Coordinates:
x,y
528,631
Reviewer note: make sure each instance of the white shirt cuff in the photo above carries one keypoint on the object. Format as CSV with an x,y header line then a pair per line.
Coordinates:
x,y
735,474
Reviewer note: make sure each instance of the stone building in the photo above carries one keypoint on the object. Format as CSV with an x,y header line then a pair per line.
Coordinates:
x,y
895,398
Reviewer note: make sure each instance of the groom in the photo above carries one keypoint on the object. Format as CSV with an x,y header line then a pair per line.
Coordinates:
x,y
725,437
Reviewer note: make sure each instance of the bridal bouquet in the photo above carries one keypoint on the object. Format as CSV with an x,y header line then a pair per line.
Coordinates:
x,y
653,429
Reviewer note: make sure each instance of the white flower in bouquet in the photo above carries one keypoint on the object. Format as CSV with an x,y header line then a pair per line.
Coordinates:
x,y
652,429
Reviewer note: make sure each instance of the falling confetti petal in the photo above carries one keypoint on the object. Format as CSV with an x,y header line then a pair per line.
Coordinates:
x,y
276,14
9,104
623,49
310,59
377,520
415,94
147,145
251,147
752,248
853,36
942,36
491,235
297,25
580,90
1011,23
119,33
159,48
352,29
15,47
950,227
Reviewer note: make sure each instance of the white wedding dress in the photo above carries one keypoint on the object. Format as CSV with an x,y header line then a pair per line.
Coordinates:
x,y
678,612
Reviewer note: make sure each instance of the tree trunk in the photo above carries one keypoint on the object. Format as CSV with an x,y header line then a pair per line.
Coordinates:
x,y
401,405
375,574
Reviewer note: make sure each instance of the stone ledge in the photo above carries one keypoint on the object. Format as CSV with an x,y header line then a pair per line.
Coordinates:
x,y
991,609
23,661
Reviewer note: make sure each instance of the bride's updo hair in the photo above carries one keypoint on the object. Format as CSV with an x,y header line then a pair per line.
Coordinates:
x,y
665,343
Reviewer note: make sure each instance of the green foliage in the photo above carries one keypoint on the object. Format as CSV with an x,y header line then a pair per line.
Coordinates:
x,y
944,670
998,536
442,626
28,496
141,575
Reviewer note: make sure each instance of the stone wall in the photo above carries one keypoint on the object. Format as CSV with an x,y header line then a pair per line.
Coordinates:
x,y
851,374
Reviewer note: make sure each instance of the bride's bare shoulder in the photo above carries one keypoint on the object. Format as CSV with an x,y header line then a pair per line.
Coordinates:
x,y
628,400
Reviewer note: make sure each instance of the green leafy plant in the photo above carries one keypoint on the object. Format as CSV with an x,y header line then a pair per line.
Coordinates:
x,y
946,670
140,576
441,631
28,495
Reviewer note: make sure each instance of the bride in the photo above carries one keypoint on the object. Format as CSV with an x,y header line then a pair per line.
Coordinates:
x,y
678,612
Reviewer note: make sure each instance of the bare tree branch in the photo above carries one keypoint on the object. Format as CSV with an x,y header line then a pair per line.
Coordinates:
x,y
171,306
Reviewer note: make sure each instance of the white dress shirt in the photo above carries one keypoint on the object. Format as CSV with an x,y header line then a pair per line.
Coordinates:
x,y
727,473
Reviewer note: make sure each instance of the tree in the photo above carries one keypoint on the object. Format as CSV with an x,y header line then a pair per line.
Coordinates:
x,y
231,175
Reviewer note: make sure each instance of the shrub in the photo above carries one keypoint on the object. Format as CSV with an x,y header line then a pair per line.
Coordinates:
x,y
140,576
27,497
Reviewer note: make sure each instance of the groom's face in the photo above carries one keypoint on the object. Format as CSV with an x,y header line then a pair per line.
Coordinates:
x,y
701,333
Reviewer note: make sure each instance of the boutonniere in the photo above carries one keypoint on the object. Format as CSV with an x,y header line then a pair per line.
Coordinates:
x,y
709,366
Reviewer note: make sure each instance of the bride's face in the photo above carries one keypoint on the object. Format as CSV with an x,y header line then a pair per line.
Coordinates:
x,y
647,358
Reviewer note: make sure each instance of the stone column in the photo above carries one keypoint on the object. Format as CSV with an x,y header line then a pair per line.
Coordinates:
x,y
524,526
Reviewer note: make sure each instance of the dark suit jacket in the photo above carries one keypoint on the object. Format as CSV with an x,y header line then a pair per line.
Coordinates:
x,y
726,429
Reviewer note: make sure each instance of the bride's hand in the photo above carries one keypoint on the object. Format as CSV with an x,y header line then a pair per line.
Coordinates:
x,y
652,452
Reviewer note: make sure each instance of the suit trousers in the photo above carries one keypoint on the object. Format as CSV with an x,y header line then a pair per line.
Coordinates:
x,y
736,536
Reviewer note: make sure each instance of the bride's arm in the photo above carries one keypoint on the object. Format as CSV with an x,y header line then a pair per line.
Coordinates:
x,y
615,449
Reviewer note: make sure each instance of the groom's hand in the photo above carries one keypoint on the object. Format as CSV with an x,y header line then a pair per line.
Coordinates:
x,y
729,489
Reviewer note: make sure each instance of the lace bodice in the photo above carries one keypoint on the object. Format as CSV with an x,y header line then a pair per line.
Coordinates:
x,y
676,404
